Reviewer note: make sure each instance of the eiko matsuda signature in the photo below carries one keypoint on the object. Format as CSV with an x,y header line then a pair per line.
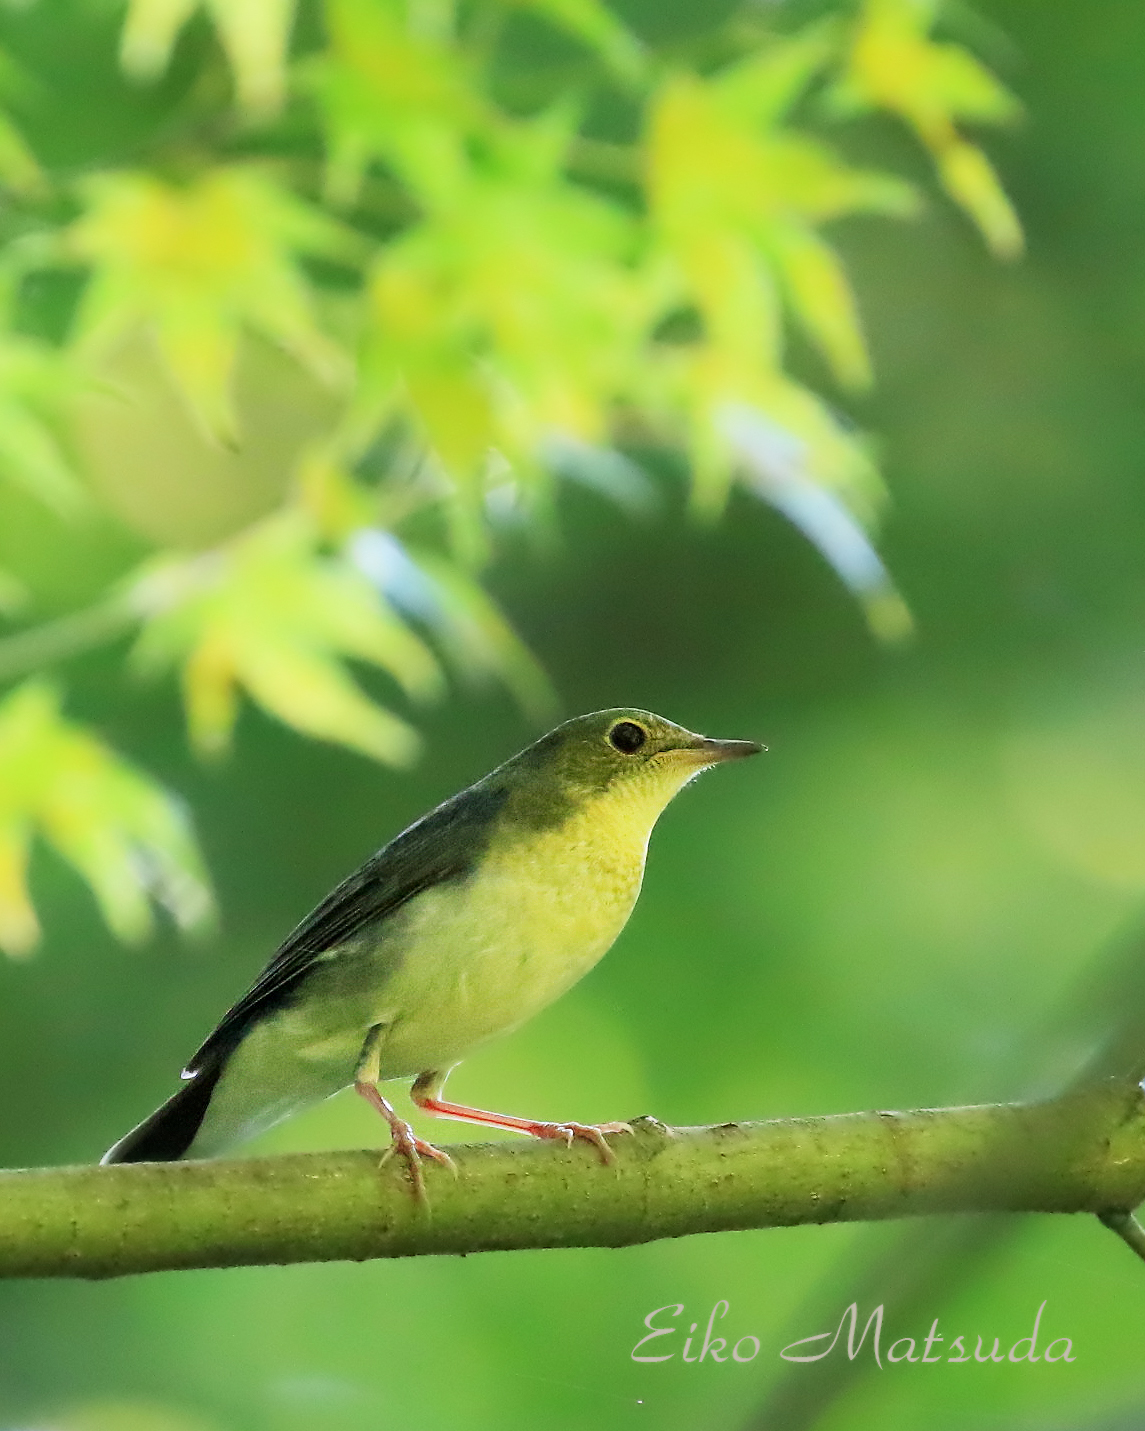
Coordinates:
x,y
667,1341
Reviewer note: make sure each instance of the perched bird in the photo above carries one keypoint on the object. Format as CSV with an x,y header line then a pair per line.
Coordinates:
x,y
461,928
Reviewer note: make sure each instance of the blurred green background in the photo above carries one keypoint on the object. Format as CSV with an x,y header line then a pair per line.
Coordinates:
x,y
901,905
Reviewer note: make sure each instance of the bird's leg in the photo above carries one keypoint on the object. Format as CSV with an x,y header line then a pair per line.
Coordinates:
x,y
403,1139
426,1094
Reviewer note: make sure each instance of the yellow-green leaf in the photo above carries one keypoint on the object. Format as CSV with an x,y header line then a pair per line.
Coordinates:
x,y
449,603
761,88
18,167
735,206
510,313
271,615
19,927
895,65
35,381
821,298
253,33
970,180
389,90
593,22
127,836
198,263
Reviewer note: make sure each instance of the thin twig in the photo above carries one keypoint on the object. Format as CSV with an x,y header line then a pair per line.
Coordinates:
x,y
79,631
1126,1226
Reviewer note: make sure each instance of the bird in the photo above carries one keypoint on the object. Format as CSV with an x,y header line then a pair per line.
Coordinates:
x,y
464,926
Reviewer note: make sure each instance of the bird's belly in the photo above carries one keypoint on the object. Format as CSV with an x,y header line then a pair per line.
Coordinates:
x,y
482,958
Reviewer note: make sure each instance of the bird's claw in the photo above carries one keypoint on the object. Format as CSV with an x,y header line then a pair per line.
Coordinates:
x,y
408,1145
593,1133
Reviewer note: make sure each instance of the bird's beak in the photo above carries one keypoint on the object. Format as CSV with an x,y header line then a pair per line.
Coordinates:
x,y
710,751
731,749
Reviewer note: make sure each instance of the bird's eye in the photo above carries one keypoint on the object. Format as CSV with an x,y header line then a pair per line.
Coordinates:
x,y
627,737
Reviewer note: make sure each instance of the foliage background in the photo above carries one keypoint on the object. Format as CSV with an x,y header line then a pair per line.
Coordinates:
x,y
907,903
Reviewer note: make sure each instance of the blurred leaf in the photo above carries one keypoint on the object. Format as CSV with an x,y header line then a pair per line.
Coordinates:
x,y
734,208
35,381
970,180
896,66
253,33
19,170
774,463
198,263
761,88
512,312
269,614
18,167
603,470
592,22
819,292
390,91
736,203
475,634
128,838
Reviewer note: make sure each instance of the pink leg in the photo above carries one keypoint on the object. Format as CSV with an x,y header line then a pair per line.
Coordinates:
x,y
426,1091
403,1139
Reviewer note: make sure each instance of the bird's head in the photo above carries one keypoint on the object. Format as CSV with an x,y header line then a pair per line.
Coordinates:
x,y
624,758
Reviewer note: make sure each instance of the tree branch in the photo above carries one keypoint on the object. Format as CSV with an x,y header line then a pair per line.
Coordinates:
x,y
66,636
1082,1152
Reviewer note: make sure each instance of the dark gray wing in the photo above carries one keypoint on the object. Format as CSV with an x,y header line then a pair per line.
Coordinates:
x,y
444,845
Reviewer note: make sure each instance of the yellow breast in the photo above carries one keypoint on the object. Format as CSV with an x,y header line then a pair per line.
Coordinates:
x,y
485,956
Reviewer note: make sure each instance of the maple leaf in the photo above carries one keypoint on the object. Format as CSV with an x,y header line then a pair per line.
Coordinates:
x,y
254,35
736,207
512,312
736,200
196,264
449,603
126,835
393,92
35,382
271,615
598,27
894,65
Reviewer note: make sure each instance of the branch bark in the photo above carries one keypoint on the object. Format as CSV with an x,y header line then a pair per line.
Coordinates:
x,y
1081,1152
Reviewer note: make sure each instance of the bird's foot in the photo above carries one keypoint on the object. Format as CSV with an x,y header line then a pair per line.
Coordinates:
x,y
405,1142
412,1149
426,1094
593,1133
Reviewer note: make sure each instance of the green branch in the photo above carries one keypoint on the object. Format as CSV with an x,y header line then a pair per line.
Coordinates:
x,y
66,636
1083,1152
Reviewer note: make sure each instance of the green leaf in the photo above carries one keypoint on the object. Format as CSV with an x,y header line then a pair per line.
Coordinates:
x,y
197,264
18,167
35,383
449,603
731,201
127,837
271,615
896,66
19,170
388,91
970,180
509,314
821,298
761,88
254,35
594,23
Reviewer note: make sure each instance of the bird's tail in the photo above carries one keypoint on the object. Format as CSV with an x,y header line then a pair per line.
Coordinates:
x,y
171,1129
